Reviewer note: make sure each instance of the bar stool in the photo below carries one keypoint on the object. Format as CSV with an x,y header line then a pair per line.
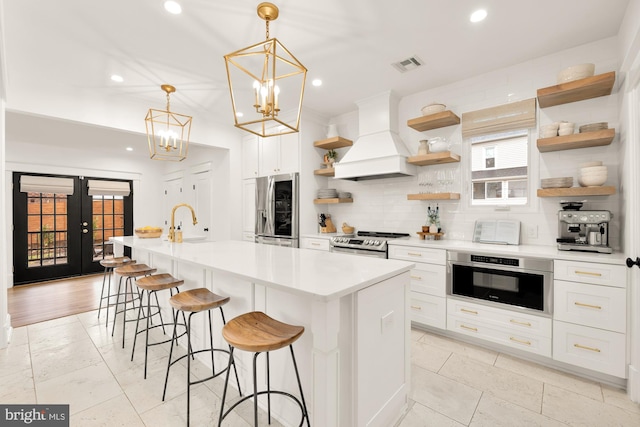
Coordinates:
x,y
256,332
151,285
195,301
109,265
129,272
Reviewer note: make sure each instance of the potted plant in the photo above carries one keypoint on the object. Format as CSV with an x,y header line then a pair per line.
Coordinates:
x,y
331,156
433,219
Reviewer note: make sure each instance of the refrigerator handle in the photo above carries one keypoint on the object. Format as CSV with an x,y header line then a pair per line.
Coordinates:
x,y
270,208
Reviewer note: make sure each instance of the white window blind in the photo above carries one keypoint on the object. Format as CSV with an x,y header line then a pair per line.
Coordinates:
x,y
108,188
46,184
515,115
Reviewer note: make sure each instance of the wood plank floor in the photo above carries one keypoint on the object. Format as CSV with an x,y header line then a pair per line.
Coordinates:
x,y
38,302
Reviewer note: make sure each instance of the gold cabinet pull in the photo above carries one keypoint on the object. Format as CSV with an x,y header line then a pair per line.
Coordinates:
x,y
416,307
469,328
464,310
414,254
315,244
588,273
416,277
520,341
584,347
517,322
597,307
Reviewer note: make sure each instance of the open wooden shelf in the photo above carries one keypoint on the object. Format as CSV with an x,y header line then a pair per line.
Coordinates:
x,y
331,201
434,158
434,121
325,172
434,196
577,140
333,143
577,191
577,90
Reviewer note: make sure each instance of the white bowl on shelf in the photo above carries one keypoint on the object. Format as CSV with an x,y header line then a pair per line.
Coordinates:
x,y
433,109
564,132
592,181
576,72
593,169
590,164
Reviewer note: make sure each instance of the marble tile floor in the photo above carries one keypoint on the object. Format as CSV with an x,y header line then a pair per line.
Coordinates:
x,y
75,360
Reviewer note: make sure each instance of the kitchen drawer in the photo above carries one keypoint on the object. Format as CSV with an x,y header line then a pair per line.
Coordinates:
x,y
248,237
511,320
590,348
318,244
602,307
428,310
429,279
588,272
506,336
415,254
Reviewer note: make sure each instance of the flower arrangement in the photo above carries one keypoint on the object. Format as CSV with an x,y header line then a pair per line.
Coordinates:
x,y
433,216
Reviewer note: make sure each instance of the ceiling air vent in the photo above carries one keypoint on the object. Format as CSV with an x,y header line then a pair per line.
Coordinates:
x,y
408,64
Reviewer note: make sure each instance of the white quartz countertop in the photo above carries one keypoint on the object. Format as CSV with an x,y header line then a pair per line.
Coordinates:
x,y
322,275
531,251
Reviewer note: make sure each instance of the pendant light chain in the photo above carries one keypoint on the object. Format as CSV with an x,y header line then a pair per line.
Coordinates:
x,y
168,102
267,25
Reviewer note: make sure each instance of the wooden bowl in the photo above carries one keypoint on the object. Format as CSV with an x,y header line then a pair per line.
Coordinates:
x,y
148,232
348,230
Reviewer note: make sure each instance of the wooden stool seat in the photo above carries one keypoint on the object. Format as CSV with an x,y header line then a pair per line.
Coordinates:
x,y
135,270
195,300
257,332
158,282
116,262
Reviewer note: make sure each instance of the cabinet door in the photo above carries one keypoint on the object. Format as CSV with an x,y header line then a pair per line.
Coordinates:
x,y
289,153
249,205
317,244
250,162
269,156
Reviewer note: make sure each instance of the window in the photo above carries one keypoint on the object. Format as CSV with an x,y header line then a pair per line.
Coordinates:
x,y
499,168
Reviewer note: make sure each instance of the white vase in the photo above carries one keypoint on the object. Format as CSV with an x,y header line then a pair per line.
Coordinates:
x,y
433,228
424,148
332,131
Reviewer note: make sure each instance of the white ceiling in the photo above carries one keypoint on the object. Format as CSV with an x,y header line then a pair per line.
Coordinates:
x,y
61,53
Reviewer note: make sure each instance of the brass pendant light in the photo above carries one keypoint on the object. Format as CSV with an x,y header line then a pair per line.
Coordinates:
x,y
266,83
167,132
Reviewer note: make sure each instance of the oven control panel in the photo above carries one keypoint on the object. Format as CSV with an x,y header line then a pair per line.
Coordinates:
x,y
495,260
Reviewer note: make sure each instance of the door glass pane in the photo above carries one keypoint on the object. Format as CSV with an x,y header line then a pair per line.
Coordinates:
x,y
108,221
46,229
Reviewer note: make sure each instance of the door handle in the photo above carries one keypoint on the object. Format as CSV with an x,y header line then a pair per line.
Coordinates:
x,y
85,231
631,263
84,224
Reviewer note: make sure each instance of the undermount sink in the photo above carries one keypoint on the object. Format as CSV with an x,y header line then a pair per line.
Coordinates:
x,y
194,239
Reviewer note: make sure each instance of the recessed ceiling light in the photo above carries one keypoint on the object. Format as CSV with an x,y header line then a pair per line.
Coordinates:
x,y
117,78
478,15
129,148
317,82
173,7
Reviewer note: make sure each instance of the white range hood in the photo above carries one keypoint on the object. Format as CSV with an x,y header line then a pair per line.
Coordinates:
x,y
378,152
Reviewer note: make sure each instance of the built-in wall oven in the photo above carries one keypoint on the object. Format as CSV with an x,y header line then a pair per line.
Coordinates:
x,y
507,282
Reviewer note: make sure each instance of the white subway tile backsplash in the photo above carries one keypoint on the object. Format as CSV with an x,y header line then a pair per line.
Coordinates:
x,y
383,205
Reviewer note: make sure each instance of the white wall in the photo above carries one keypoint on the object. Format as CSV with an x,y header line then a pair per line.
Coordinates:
x,y
383,205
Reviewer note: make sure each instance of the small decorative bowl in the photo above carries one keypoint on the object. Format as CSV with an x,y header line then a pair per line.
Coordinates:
x,y
148,232
348,230
433,109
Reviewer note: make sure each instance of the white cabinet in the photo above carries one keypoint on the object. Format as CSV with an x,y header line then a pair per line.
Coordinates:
x,y
513,329
428,283
279,154
248,206
314,243
250,156
590,312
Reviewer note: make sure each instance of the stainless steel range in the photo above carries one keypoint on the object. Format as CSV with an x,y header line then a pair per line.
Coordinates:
x,y
365,243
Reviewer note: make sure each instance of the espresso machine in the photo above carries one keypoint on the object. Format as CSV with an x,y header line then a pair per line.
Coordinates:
x,y
584,231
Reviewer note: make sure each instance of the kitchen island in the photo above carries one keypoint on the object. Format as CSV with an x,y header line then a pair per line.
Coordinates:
x,y
354,356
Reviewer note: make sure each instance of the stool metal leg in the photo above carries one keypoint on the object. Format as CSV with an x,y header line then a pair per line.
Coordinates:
x,y
107,272
255,391
268,390
304,404
226,384
115,314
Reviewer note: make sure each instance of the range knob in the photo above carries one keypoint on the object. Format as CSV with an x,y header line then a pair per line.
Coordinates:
x,y
377,243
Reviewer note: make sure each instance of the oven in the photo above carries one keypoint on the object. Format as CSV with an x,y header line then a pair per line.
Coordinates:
x,y
505,282
365,243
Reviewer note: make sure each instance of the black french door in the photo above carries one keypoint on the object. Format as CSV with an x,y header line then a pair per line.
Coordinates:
x,y
59,235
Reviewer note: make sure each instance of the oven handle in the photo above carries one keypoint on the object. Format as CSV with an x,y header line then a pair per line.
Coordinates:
x,y
496,267
361,252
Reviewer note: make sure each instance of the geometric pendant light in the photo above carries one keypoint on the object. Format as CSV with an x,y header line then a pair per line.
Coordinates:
x,y
266,83
168,132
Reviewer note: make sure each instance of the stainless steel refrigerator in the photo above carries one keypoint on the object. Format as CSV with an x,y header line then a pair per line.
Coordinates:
x,y
277,210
